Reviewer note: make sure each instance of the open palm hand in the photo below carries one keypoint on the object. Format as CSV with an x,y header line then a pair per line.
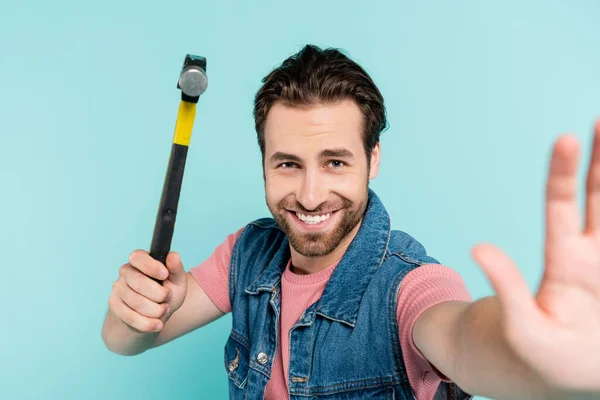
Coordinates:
x,y
556,332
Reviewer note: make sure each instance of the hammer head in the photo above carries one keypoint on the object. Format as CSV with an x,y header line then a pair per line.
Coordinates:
x,y
192,80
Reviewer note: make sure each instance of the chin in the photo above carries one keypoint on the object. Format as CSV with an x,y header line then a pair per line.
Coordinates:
x,y
318,238
314,244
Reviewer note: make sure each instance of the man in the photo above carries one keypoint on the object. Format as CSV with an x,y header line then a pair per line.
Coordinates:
x,y
328,302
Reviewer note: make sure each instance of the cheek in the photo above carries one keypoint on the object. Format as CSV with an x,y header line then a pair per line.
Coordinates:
x,y
348,184
277,187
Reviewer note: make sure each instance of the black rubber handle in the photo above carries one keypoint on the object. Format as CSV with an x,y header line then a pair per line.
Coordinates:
x,y
167,209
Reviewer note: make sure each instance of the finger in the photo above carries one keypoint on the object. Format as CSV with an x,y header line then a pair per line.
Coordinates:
x,y
177,274
141,260
515,298
141,304
144,285
132,318
562,214
592,200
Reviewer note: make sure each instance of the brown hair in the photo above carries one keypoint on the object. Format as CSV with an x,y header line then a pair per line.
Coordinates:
x,y
315,76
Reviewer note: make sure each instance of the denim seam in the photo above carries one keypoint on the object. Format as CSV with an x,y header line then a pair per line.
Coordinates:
x,y
393,326
366,381
257,367
257,224
352,325
312,349
310,326
271,226
238,337
387,242
233,269
341,387
259,289
406,258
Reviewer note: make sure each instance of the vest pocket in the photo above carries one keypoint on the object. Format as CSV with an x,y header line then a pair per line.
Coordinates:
x,y
237,357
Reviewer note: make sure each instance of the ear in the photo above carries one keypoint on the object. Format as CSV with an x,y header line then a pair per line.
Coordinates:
x,y
375,154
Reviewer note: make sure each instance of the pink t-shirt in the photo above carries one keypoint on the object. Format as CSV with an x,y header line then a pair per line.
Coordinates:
x,y
420,289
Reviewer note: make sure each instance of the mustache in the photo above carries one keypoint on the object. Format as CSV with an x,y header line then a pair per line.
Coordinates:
x,y
326,206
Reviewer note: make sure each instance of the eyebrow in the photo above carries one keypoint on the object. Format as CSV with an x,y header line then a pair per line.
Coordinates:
x,y
337,153
281,156
327,153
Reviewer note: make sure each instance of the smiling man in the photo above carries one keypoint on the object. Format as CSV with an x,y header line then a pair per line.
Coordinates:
x,y
316,176
328,301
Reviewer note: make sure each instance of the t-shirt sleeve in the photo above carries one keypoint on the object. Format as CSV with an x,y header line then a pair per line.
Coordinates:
x,y
420,289
213,274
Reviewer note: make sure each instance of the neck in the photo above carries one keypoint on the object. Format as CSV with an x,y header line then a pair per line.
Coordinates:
x,y
303,265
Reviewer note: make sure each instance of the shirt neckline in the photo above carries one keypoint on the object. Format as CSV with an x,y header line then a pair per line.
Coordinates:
x,y
308,279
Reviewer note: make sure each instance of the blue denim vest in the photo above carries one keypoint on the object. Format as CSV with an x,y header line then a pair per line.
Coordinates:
x,y
344,346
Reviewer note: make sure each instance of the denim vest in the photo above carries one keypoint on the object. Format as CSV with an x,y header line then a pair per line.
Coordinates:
x,y
345,345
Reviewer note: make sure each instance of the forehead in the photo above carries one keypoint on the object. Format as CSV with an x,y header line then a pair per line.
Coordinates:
x,y
337,124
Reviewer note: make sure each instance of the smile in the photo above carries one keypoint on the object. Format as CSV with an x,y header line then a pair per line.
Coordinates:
x,y
313,219
311,223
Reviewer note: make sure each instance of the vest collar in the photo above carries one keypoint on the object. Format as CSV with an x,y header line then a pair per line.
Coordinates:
x,y
344,291
341,298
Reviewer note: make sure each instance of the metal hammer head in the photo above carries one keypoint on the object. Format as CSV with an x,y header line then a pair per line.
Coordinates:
x,y
192,80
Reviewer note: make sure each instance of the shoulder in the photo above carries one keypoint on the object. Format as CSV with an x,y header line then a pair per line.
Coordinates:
x,y
408,249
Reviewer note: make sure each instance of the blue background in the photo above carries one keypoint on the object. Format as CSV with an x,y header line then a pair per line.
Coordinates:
x,y
476,94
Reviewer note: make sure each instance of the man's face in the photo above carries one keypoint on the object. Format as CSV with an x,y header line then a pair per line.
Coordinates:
x,y
316,173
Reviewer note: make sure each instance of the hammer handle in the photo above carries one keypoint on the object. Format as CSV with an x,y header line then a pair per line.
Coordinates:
x,y
167,209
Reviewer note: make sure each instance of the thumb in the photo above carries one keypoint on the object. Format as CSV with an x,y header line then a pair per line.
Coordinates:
x,y
177,274
516,301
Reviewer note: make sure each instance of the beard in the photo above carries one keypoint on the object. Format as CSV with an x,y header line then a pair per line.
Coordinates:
x,y
317,244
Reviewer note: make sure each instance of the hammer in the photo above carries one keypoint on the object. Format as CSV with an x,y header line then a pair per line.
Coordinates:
x,y
192,82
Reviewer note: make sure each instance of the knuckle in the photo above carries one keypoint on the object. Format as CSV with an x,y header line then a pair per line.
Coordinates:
x,y
132,279
165,294
136,282
163,311
136,255
130,299
151,311
128,319
136,304
111,302
142,285
132,257
159,311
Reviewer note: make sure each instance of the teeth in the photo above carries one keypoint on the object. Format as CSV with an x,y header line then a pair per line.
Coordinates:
x,y
313,219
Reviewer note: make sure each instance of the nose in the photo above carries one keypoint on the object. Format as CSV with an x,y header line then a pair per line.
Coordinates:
x,y
312,191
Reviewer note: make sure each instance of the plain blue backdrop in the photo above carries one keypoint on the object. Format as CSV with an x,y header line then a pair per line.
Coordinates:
x,y
476,94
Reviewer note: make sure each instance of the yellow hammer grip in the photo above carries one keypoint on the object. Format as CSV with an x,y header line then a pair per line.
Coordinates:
x,y
185,123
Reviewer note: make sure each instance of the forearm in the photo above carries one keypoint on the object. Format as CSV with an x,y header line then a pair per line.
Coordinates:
x,y
485,365
123,339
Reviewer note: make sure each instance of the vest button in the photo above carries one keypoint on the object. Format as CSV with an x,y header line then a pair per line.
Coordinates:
x,y
262,358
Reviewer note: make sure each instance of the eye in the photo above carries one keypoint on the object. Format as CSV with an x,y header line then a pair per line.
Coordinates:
x,y
288,165
336,164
